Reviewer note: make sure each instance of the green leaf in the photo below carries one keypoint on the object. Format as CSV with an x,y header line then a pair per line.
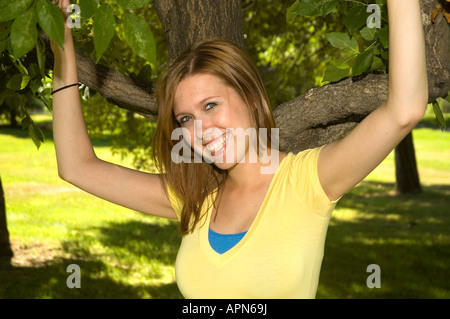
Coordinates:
x,y
145,74
6,92
139,36
290,15
18,64
12,9
383,36
51,21
377,64
33,130
87,8
132,4
368,34
356,17
315,7
24,33
440,103
362,62
334,73
343,41
18,82
40,52
104,24
341,63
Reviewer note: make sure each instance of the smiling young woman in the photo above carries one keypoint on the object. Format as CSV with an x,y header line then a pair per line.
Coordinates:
x,y
216,83
245,234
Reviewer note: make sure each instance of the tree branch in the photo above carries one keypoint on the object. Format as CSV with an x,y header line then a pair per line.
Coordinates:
x,y
118,88
327,113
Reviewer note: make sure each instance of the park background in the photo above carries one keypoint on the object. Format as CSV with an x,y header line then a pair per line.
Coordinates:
x,y
125,254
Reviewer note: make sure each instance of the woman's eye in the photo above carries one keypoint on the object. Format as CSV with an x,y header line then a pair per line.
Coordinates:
x,y
210,105
184,119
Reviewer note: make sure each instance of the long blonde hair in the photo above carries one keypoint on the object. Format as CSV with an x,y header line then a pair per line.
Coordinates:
x,y
194,182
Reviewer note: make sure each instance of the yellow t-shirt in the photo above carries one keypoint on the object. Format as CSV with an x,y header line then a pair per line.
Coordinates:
x,y
281,254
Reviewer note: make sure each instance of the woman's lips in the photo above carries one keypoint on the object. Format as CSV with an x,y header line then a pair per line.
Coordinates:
x,y
218,144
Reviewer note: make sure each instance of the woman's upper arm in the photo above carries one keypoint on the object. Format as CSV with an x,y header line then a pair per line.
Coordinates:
x,y
344,163
140,191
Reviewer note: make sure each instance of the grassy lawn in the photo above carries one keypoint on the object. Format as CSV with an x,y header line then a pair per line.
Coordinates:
x,y
121,253
124,254
407,236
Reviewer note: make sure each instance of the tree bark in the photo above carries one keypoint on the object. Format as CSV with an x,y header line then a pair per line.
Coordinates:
x,y
186,21
328,113
437,42
407,176
6,252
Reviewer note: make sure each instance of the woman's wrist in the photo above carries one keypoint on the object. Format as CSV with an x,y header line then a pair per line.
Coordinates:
x,y
65,69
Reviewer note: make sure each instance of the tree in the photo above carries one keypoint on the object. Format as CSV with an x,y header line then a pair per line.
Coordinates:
x,y
6,252
325,117
319,116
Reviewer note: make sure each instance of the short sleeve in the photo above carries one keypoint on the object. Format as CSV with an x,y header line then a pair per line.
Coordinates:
x,y
304,178
175,201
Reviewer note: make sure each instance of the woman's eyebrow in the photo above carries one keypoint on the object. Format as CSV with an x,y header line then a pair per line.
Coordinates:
x,y
207,98
201,102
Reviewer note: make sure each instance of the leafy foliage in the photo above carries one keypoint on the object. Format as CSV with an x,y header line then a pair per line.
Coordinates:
x,y
24,25
363,47
314,7
104,24
139,37
291,57
51,21
440,105
12,9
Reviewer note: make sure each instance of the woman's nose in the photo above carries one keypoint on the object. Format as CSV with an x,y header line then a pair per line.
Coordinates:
x,y
202,126
205,130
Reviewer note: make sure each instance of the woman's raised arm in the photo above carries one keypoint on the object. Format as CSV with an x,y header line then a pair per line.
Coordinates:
x,y
77,162
343,164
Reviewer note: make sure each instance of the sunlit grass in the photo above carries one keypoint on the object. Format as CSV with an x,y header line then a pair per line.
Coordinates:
x,y
407,236
53,224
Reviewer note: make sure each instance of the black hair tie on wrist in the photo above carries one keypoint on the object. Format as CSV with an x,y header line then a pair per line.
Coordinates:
x,y
64,87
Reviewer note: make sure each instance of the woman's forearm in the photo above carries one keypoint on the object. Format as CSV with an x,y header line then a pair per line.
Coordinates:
x,y
72,144
408,85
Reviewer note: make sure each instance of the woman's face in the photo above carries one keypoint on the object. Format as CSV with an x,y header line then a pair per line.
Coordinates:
x,y
214,119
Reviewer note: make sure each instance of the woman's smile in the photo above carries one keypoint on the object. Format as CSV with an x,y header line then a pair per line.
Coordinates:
x,y
218,145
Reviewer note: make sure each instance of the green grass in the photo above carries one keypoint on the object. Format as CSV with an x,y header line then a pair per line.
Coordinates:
x,y
407,236
121,253
124,254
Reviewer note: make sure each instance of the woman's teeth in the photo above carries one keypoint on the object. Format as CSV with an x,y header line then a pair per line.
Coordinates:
x,y
218,143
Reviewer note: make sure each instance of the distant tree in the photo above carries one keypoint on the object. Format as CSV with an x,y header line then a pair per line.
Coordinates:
x,y
6,252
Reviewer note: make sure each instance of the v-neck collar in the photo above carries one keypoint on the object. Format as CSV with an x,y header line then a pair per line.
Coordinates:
x,y
220,259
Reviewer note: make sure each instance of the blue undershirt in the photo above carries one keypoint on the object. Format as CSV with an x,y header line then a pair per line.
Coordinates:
x,y
221,243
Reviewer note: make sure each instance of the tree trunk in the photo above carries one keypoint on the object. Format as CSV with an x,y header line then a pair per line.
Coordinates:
x,y
407,176
13,119
6,252
186,21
